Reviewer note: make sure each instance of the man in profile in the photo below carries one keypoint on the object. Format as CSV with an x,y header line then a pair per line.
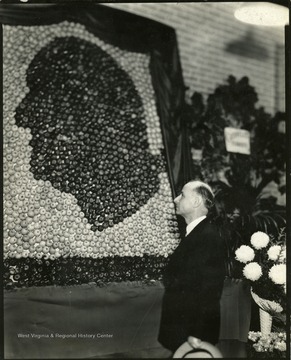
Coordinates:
x,y
195,273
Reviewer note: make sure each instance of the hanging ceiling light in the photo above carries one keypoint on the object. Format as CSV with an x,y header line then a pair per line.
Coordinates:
x,y
263,13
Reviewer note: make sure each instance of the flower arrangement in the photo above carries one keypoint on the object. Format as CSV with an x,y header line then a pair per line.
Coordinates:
x,y
273,343
264,265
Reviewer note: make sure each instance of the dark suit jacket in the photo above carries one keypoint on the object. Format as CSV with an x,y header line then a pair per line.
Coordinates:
x,y
193,283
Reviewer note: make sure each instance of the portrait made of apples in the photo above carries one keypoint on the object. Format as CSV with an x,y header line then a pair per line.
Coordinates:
x,y
86,185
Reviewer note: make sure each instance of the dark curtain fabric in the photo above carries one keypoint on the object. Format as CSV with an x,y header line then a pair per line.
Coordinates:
x,y
131,33
130,312
83,322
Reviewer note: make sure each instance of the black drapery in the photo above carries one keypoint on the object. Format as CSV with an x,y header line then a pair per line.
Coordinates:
x,y
131,33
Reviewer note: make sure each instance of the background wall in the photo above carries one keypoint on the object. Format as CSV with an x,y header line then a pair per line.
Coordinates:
x,y
204,30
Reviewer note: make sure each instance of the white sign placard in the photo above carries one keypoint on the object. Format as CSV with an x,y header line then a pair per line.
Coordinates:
x,y
237,140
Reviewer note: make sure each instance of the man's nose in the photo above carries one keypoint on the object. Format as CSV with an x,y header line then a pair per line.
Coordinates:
x,y
176,199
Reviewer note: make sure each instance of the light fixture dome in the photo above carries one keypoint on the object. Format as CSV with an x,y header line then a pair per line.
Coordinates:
x,y
263,13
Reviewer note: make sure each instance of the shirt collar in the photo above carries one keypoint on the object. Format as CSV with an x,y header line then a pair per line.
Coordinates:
x,y
193,224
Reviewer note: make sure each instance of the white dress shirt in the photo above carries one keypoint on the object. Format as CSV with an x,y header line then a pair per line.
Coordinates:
x,y
193,224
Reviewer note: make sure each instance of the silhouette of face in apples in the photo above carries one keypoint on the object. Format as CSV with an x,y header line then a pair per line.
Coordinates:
x,y
89,132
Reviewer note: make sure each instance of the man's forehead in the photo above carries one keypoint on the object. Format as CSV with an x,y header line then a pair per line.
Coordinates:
x,y
190,186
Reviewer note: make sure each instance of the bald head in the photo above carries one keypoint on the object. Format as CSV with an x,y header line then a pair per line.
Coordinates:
x,y
195,200
205,191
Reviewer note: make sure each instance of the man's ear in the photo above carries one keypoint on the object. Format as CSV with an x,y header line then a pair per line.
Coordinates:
x,y
197,200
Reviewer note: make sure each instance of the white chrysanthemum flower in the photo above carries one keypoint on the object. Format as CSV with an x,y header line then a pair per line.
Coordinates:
x,y
252,271
281,346
258,347
274,252
259,240
277,274
253,335
244,254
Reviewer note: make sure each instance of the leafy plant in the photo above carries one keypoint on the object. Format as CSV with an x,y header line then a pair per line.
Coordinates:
x,y
239,180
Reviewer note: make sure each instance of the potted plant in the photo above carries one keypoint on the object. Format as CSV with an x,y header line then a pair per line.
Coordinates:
x,y
263,264
244,204
240,181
